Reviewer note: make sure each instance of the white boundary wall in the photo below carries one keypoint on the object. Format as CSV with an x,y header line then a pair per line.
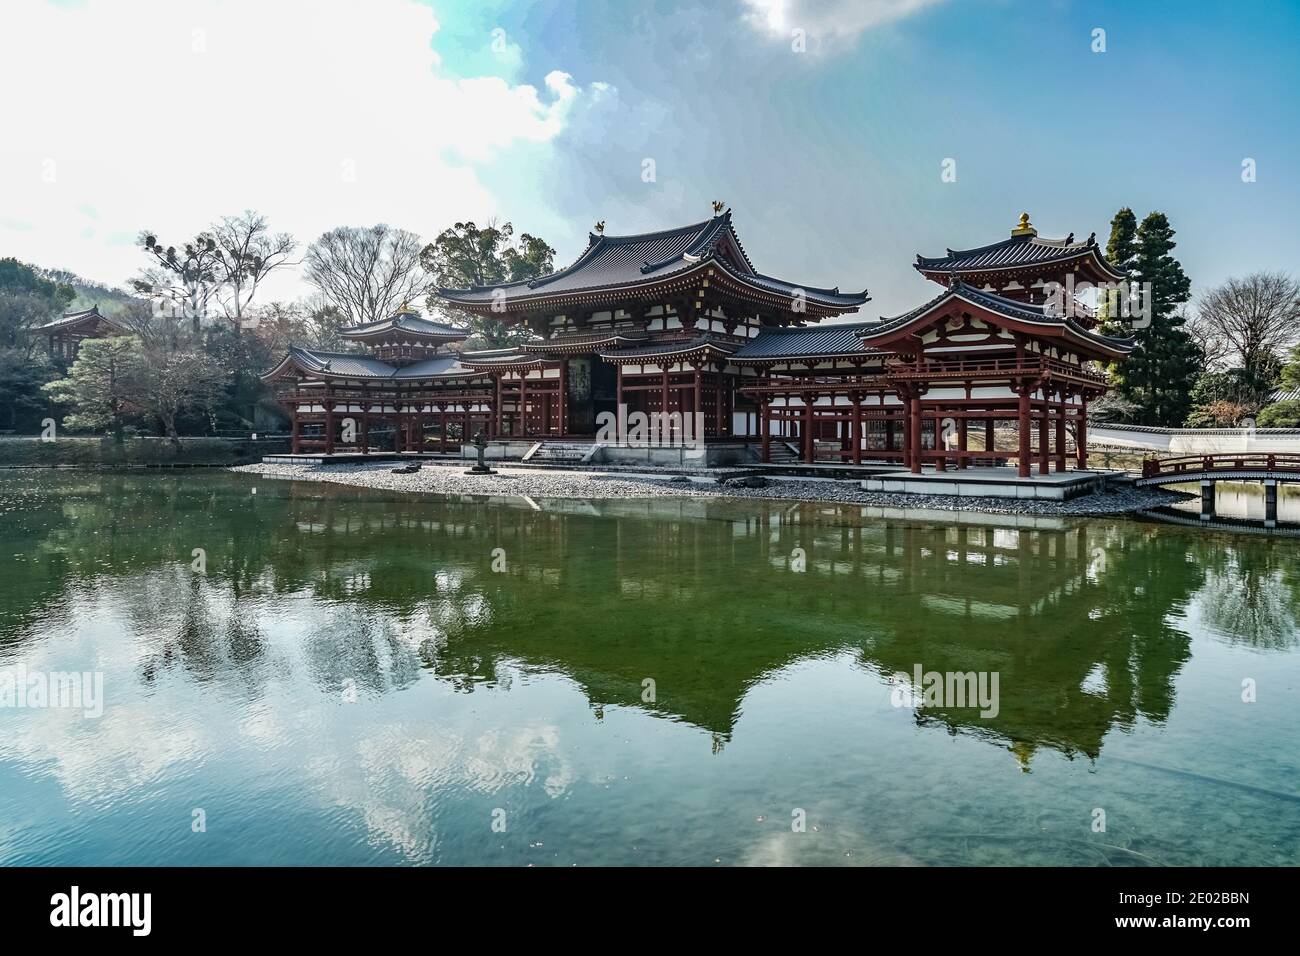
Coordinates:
x,y
1196,441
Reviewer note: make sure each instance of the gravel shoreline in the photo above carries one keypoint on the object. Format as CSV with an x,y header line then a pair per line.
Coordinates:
x,y
538,483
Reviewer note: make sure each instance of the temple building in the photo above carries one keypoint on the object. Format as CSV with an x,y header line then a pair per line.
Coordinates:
x,y
680,324
63,336
648,322
409,378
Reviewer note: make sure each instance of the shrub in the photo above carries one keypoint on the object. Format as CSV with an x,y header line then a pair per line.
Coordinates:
x,y
1279,415
1218,414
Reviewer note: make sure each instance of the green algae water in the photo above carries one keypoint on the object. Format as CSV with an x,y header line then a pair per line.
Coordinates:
x,y
310,674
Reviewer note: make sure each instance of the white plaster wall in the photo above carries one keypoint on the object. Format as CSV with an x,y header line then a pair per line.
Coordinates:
x,y
1183,441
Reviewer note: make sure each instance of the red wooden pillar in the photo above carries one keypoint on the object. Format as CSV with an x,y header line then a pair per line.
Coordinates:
x,y
442,429
727,384
296,442
329,420
809,449
564,397
1022,422
1081,438
365,427
697,406
990,442
914,430
523,403
855,429
499,407
962,440
718,405
1060,433
904,418
940,446
764,428
1044,437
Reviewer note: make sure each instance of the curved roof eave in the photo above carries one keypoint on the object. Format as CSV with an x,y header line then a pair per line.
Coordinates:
x,y
997,305
940,265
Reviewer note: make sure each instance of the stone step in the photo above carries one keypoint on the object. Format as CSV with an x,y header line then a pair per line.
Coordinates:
x,y
782,453
558,451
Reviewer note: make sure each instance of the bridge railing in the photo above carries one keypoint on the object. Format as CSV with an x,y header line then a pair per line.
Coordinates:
x,y
1228,461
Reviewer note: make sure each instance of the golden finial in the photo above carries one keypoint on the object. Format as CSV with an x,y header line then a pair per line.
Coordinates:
x,y
1024,228
718,206
600,228
405,308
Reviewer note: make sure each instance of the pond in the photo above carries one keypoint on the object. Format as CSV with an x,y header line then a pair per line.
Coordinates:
x,y
305,674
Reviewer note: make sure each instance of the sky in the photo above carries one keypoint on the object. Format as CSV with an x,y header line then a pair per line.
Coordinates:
x,y
826,126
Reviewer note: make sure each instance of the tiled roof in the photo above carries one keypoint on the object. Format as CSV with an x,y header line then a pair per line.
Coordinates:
x,y
504,358
1285,395
349,365
1015,251
611,262
1011,308
579,340
73,318
998,303
834,297
438,367
656,349
824,340
406,322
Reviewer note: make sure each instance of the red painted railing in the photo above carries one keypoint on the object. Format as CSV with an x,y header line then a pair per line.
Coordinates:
x,y
1224,461
1012,367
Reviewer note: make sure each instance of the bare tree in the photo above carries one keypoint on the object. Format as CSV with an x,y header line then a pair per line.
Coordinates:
x,y
247,253
367,272
170,380
187,278
220,267
280,325
1251,321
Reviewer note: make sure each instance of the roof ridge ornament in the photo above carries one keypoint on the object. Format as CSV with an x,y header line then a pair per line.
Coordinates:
x,y
718,207
600,228
1024,228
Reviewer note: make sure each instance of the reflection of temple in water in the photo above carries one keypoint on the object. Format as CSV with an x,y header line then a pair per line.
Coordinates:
x,y
702,596
1075,619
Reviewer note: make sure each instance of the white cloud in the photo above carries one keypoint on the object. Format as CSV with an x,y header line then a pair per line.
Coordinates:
x,y
831,21
166,115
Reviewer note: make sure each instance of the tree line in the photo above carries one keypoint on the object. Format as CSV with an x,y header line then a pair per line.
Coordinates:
x,y
196,338
1214,363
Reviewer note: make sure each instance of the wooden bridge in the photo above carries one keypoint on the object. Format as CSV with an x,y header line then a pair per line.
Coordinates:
x,y
1231,466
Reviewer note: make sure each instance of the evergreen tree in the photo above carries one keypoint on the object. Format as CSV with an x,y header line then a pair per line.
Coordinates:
x,y
1121,252
465,256
1291,370
100,384
1159,375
